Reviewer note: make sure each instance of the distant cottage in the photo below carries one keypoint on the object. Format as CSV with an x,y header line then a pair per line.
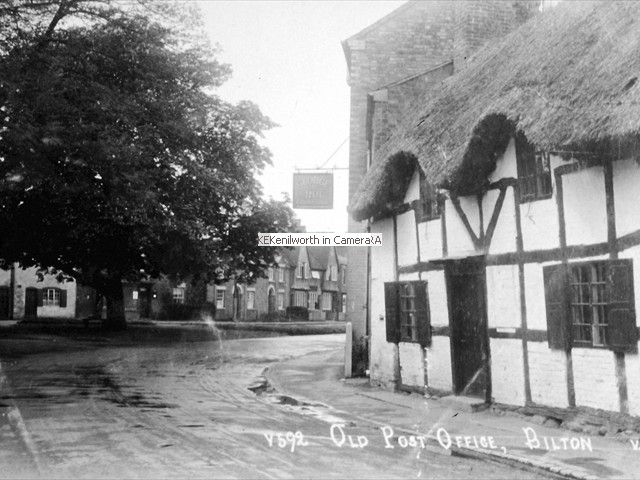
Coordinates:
x,y
507,198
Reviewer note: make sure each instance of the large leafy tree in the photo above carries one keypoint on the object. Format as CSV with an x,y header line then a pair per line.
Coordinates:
x,y
116,159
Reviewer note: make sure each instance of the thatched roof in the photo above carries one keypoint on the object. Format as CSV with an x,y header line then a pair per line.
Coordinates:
x,y
568,79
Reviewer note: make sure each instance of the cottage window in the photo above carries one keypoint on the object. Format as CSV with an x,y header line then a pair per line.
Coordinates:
x,y
407,312
327,301
251,299
51,297
429,202
220,298
591,305
534,171
178,295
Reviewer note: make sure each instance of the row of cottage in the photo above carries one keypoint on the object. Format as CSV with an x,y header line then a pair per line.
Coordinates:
x,y
310,279
499,157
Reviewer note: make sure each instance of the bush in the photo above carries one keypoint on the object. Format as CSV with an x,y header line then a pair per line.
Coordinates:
x,y
179,311
298,313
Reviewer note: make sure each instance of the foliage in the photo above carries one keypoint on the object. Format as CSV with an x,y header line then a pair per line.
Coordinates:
x,y
116,160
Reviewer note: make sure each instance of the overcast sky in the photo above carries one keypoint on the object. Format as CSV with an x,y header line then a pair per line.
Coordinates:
x,y
287,57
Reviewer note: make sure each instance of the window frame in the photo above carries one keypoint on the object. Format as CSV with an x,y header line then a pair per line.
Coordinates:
x,y
535,180
176,299
51,302
430,201
407,308
280,300
574,318
220,301
251,299
327,305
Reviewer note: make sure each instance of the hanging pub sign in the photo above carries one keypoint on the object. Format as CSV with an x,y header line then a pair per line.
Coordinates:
x,y
313,190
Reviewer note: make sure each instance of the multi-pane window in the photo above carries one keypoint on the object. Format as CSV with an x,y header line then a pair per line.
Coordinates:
x,y
314,301
251,299
327,301
588,304
407,312
51,297
178,295
280,300
591,304
408,320
300,298
220,298
534,171
302,270
429,204
281,274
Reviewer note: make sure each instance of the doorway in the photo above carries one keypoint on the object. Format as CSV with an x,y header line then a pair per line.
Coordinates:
x,y
5,303
31,303
466,292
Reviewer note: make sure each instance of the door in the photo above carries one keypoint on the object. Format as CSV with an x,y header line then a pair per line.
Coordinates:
x,y
31,303
272,301
468,325
5,303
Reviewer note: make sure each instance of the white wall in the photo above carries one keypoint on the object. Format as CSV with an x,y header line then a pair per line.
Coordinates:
x,y
407,240
430,239
547,375
507,371
439,363
626,186
413,191
585,208
506,165
505,234
503,296
594,378
28,278
383,354
459,242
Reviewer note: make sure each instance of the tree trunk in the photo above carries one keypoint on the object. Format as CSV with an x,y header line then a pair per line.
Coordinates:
x,y
115,305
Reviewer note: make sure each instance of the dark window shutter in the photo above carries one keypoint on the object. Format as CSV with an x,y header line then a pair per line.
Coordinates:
x,y
40,295
392,308
558,319
422,313
621,314
63,298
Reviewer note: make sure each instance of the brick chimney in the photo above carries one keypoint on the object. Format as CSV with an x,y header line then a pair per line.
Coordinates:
x,y
480,21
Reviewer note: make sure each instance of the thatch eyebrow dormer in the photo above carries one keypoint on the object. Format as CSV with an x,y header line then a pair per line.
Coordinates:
x,y
565,79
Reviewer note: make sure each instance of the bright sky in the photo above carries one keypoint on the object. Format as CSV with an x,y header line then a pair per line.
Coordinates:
x,y
287,58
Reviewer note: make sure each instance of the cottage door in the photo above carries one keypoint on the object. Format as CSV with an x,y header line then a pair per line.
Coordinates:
x,y
272,301
5,304
31,303
468,324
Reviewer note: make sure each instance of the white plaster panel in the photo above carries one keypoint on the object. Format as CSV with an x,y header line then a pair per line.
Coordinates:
x,y
507,371
634,254
506,165
585,206
459,242
505,234
632,364
503,296
626,179
382,262
439,364
430,239
407,240
534,296
547,375
413,191
5,278
411,364
539,222
594,378
437,290
382,368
